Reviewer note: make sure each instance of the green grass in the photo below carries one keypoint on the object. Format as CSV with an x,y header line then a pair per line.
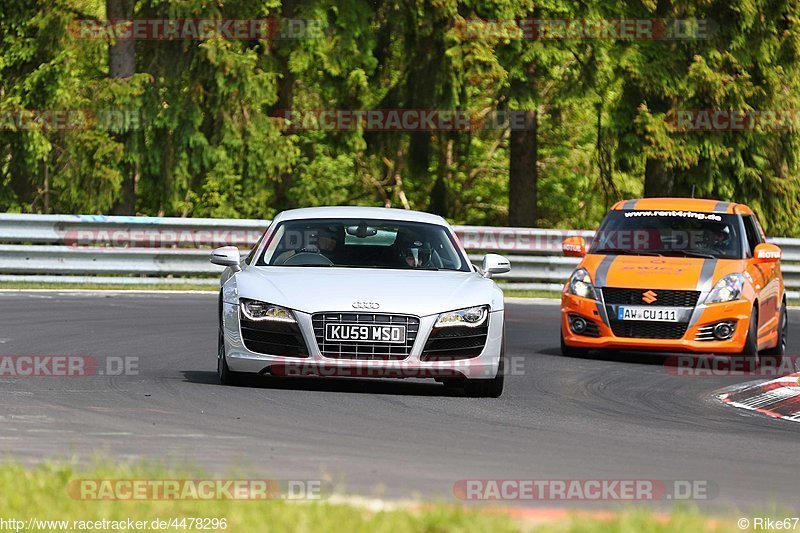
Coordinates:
x,y
41,493
513,293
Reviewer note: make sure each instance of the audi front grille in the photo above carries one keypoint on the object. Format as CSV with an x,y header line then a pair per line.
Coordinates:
x,y
365,351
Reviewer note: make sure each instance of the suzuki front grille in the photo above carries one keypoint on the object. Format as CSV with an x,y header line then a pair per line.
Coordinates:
x,y
658,297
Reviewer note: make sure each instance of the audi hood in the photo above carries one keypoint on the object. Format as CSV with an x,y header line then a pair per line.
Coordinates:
x,y
318,289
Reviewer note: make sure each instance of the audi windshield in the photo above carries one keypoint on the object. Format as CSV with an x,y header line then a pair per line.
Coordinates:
x,y
363,244
669,233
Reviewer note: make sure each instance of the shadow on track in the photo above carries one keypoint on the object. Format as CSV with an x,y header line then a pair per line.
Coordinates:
x,y
395,387
614,356
701,363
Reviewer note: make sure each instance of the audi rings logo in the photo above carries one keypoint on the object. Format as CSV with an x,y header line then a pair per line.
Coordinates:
x,y
366,305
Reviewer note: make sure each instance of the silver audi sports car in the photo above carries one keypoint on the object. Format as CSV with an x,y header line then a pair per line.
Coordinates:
x,y
361,292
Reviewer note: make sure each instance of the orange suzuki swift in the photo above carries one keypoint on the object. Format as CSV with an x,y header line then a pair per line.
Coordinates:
x,y
676,274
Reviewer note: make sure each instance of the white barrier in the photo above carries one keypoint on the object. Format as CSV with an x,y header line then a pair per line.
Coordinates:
x,y
77,248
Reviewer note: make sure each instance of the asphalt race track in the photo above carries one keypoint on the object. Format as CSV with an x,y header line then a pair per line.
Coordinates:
x,y
624,417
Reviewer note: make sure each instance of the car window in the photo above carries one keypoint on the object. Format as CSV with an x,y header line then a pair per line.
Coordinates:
x,y
669,233
249,259
752,233
364,244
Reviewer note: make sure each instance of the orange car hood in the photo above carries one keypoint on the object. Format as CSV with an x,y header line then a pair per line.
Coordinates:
x,y
646,272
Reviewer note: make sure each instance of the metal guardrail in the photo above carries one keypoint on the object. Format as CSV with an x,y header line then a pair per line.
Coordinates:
x,y
157,250
148,232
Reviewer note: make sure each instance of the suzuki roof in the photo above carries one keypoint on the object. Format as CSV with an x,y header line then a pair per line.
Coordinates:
x,y
683,204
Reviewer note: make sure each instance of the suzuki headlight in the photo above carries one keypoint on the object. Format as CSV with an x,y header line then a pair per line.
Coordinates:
x,y
262,311
727,289
580,284
470,317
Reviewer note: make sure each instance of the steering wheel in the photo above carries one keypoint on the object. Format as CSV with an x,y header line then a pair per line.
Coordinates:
x,y
308,259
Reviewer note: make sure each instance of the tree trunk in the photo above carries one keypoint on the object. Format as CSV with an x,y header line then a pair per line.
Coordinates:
x,y
167,176
523,174
658,181
122,64
22,182
440,198
282,199
46,191
121,53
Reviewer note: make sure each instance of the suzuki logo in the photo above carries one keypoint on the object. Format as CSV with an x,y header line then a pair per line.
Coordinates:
x,y
649,297
366,305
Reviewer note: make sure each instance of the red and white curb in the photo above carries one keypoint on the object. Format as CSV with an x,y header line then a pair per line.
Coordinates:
x,y
779,398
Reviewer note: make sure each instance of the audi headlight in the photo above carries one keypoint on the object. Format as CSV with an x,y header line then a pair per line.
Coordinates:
x,y
727,289
580,284
470,317
262,311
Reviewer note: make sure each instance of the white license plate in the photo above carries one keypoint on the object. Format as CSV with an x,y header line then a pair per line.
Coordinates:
x,y
652,314
365,333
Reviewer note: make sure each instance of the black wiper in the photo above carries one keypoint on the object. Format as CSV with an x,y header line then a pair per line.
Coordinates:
x,y
624,252
691,253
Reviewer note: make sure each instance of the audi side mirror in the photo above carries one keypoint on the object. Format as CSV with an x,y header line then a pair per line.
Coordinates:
x,y
227,256
495,264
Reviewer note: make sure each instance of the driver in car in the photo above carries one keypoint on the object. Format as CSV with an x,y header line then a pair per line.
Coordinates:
x,y
718,239
418,254
327,241
327,244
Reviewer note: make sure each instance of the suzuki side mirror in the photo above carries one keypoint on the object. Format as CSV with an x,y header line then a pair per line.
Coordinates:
x,y
767,253
574,246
